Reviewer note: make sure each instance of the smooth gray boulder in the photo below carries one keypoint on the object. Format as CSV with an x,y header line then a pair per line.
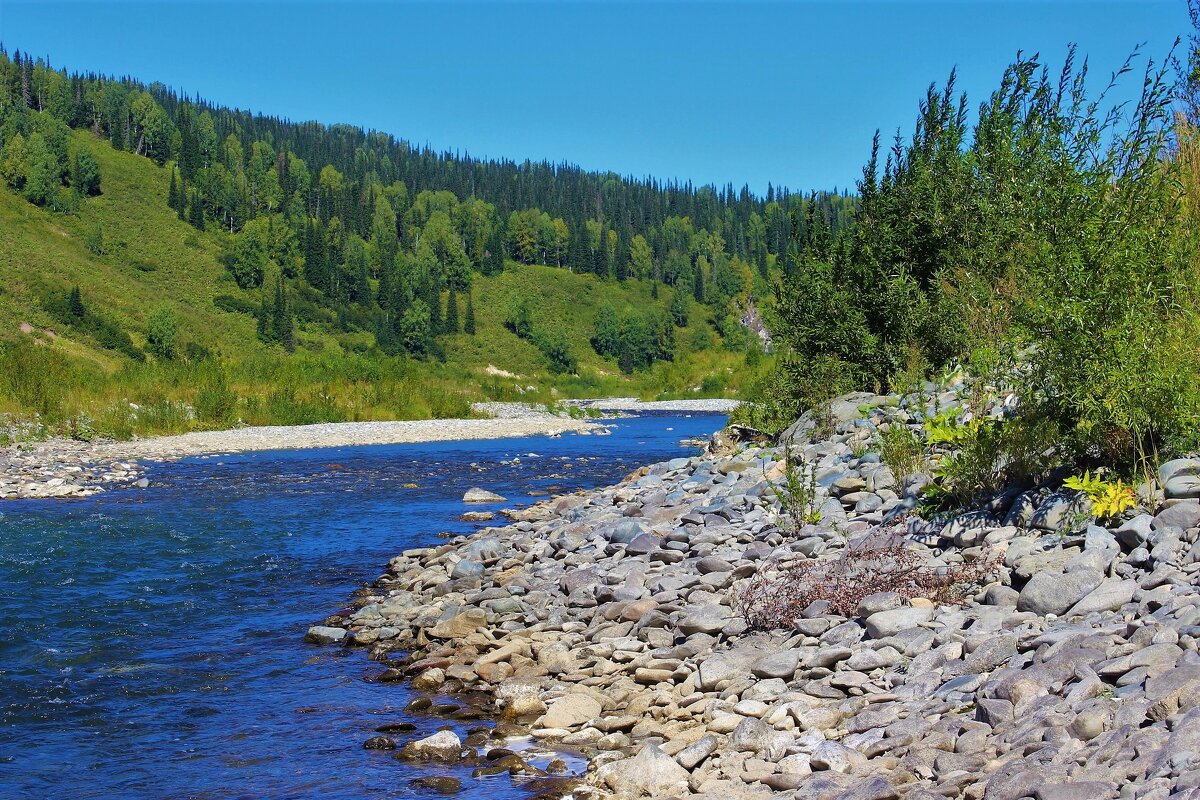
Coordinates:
x,y
1067,511
778,665
1180,478
651,773
1051,593
711,618
697,751
1183,515
882,624
755,736
1108,596
323,634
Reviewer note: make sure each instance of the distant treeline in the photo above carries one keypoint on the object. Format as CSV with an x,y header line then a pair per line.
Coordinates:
x,y
368,225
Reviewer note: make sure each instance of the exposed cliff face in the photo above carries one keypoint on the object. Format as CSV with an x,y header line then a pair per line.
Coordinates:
x,y
753,321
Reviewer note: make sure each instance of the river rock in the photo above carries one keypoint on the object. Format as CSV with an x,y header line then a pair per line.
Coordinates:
x,y
460,625
1180,478
697,751
477,495
651,773
323,634
1183,515
882,624
570,711
711,618
1067,511
1108,596
1048,593
442,746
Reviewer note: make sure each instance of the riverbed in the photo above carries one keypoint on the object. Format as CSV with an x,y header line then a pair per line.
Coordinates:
x,y
152,638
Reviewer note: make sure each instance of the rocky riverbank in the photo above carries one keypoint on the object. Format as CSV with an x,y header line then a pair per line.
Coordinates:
x,y
66,468
688,637
634,405
60,468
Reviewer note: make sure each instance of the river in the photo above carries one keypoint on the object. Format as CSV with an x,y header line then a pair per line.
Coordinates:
x,y
151,640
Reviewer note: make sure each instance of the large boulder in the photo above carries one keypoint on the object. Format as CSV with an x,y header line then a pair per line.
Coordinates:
x,y
460,625
570,711
1067,511
882,624
1180,478
1108,596
651,773
1052,593
1183,515
755,736
710,618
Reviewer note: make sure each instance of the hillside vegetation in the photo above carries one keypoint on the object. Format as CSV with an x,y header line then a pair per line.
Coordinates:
x,y
132,302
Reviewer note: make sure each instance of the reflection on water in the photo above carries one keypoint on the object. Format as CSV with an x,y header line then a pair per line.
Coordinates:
x,y
150,640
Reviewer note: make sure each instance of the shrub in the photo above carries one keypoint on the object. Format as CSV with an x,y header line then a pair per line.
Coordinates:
x,y
161,329
901,449
215,403
798,494
778,595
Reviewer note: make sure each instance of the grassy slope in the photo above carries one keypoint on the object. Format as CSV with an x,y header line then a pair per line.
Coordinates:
x,y
151,258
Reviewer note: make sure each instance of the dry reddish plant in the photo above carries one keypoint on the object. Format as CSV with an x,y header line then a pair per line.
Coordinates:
x,y
777,596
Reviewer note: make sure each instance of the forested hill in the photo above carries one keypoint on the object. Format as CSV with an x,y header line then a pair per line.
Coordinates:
x,y
145,234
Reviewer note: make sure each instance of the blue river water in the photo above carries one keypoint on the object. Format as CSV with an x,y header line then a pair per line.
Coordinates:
x,y
151,640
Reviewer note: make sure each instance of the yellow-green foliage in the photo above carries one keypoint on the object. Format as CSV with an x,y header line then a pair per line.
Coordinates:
x,y
1109,498
946,428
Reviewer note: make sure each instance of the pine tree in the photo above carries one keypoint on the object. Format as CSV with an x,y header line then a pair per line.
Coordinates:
x,y
469,322
493,259
196,212
264,319
75,303
451,313
434,302
173,194
283,324
698,286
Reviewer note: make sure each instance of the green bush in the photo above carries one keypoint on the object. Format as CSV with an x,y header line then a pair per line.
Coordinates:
x,y
1048,243
901,449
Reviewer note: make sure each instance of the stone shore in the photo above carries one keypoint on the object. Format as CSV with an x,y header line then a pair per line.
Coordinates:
x,y
616,623
61,468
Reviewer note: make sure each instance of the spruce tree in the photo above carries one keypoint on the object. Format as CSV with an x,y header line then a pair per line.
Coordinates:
x,y
469,322
451,312
493,259
173,194
434,302
75,303
196,212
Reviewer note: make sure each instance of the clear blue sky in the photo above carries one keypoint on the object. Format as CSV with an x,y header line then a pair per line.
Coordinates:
x,y
788,92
